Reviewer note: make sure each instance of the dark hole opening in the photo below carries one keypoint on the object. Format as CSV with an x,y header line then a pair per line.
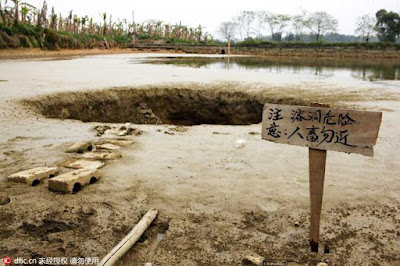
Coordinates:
x,y
143,238
77,187
51,176
35,183
93,180
162,229
326,249
90,148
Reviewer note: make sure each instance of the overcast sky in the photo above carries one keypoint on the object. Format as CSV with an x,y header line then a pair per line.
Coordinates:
x,y
210,13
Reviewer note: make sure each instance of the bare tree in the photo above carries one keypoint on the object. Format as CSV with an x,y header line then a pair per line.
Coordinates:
x,y
16,11
277,23
297,24
320,23
245,23
365,27
260,23
228,31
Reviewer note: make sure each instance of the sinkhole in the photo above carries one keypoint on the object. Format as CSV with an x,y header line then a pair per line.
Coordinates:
x,y
155,105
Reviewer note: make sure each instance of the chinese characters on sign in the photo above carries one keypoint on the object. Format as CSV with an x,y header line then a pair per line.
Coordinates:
x,y
322,128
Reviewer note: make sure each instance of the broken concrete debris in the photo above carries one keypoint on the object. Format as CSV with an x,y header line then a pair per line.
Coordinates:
x,y
101,129
119,142
124,130
108,146
81,147
102,155
127,129
73,181
179,129
82,164
87,166
33,176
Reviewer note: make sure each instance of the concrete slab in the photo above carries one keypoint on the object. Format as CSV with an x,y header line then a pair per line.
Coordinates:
x,y
81,147
108,146
33,176
102,155
118,142
73,182
82,164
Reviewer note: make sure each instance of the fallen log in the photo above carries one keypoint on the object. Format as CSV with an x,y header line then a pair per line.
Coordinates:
x,y
130,240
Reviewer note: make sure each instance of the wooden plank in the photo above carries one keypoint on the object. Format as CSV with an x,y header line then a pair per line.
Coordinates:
x,y
125,244
322,128
317,162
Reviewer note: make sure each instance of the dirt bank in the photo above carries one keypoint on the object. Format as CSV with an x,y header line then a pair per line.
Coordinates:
x,y
61,53
323,51
286,52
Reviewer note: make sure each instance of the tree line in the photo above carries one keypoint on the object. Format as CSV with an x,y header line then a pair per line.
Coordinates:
x,y
306,26
18,19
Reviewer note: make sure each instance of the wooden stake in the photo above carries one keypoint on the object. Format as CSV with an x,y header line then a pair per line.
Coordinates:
x,y
229,47
107,46
288,124
317,163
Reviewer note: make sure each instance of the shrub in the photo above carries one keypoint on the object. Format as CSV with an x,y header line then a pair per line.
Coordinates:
x,y
51,39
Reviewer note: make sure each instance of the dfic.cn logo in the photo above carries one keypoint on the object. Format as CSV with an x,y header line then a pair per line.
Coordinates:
x,y
6,260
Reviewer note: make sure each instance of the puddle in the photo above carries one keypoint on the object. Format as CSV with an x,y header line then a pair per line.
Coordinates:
x,y
155,243
160,237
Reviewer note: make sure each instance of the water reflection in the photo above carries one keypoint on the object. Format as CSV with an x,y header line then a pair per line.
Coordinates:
x,y
365,69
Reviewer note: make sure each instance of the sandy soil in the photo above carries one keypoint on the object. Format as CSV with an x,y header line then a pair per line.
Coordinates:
x,y
217,203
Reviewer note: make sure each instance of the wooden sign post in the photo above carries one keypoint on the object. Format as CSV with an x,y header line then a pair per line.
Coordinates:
x,y
320,128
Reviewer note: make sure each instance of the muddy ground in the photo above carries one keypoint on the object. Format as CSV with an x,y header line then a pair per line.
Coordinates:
x,y
217,203
36,53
